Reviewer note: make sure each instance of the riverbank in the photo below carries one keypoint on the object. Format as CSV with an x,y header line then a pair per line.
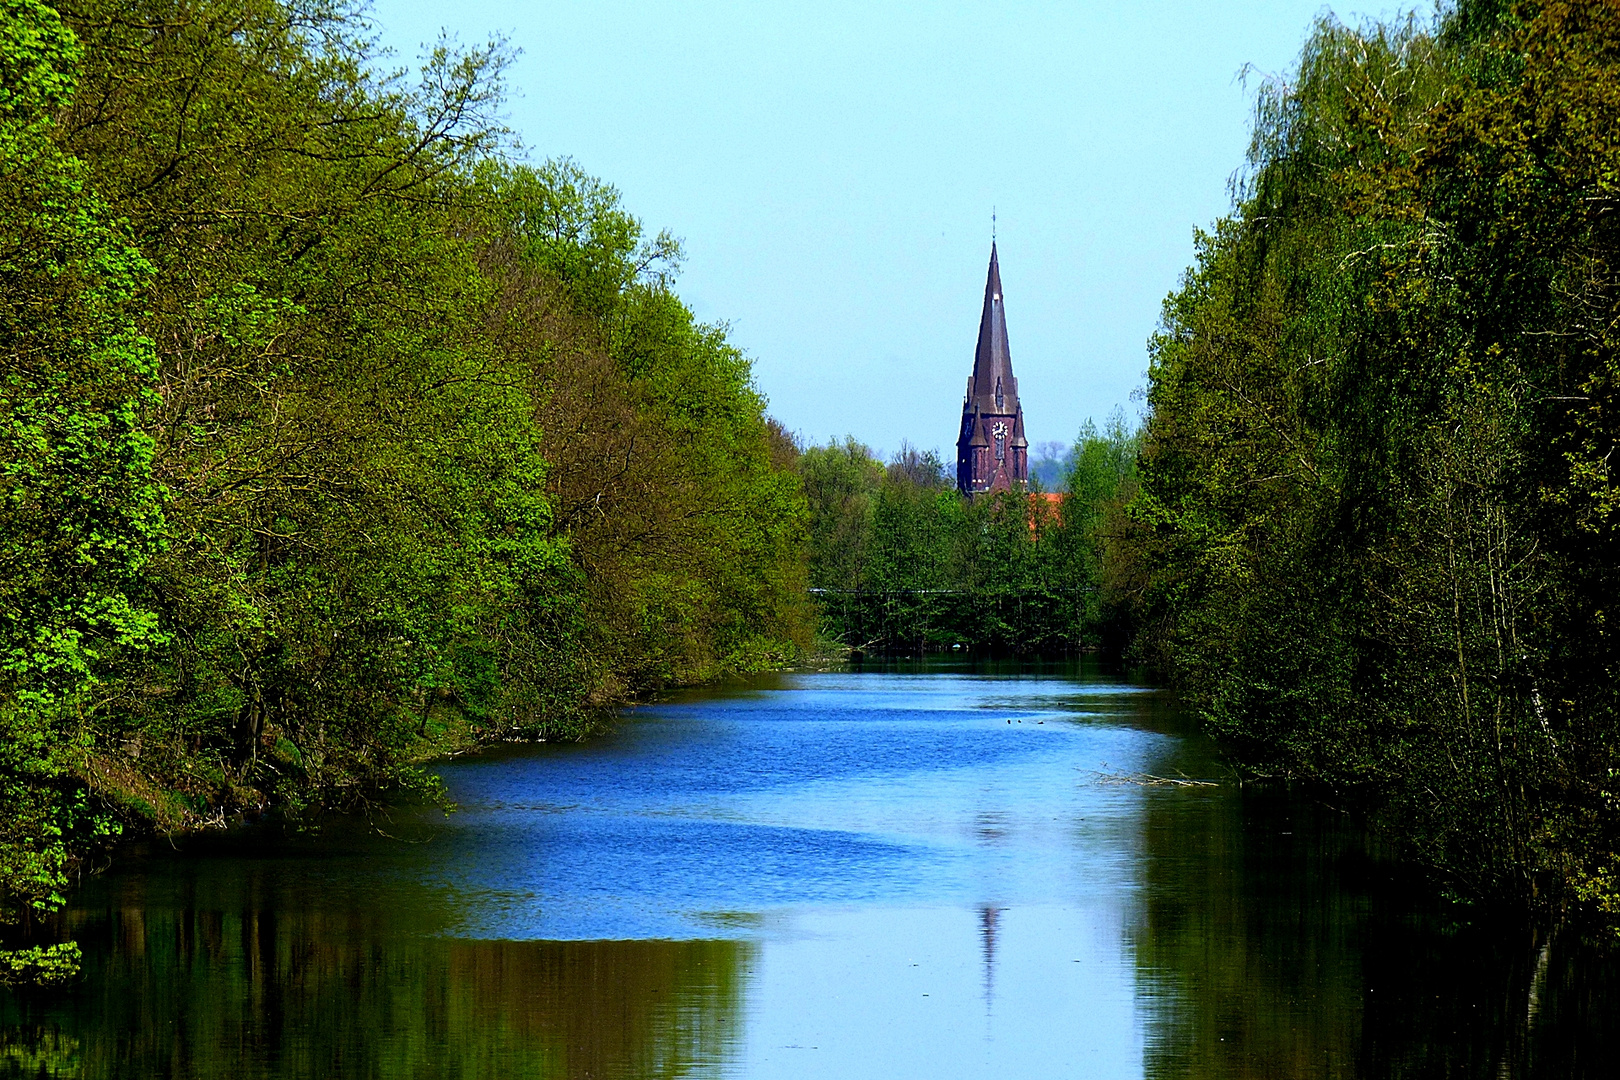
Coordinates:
x,y
925,868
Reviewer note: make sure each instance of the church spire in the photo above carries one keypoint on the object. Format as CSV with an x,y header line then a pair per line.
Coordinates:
x,y
992,361
991,451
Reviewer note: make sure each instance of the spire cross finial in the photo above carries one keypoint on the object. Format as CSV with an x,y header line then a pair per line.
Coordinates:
x,y
992,224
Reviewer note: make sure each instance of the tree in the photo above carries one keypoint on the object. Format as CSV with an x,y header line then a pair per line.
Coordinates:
x,y
1373,480
80,512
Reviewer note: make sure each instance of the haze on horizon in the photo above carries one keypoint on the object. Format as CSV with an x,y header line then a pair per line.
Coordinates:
x,y
832,174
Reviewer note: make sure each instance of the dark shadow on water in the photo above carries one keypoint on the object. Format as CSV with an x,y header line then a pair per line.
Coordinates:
x,y
244,967
1275,940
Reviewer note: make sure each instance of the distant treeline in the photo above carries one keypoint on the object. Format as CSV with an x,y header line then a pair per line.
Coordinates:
x,y
1379,517
901,562
330,439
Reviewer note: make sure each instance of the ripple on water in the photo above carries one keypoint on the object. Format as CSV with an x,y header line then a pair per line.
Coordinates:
x,y
937,874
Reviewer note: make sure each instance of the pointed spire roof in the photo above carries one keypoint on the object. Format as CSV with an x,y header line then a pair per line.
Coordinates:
x,y
991,450
992,360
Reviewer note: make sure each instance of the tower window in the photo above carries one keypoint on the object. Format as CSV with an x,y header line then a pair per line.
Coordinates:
x,y
1001,402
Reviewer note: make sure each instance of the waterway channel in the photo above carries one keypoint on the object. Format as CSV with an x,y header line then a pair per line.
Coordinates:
x,y
910,872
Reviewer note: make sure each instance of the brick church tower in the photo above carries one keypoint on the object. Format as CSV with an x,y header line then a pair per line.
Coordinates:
x,y
991,451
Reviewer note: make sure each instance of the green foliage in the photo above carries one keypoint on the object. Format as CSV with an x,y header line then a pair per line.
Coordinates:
x,y
41,965
79,508
1101,465
333,441
1376,530
840,481
902,562
688,533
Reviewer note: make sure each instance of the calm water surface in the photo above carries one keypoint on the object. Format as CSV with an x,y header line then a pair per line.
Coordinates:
x,y
893,874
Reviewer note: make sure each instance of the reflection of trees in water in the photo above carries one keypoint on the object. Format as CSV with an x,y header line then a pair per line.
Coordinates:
x,y
1271,944
274,987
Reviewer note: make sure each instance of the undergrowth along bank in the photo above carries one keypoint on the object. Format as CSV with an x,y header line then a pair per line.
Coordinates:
x,y
332,435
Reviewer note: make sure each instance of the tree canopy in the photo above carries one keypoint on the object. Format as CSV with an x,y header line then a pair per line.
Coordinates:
x,y
1377,527
335,437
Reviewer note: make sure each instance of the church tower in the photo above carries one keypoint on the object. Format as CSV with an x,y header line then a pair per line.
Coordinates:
x,y
991,451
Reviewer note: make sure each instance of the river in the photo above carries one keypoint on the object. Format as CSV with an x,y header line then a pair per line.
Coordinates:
x,y
925,872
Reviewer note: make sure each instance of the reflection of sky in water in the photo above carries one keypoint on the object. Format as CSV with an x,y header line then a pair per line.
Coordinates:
x,y
874,875
938,883
834,790
881,992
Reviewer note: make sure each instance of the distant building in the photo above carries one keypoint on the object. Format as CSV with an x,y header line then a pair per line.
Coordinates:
x,y
1045,510
991,451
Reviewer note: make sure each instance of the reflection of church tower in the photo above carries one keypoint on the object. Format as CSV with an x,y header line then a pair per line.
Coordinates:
x,y
991,451
988,918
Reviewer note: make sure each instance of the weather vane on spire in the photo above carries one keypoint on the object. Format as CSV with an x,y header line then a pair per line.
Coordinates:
x,y
992,224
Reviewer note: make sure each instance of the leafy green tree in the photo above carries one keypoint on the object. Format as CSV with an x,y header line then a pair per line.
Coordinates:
x,y
441,457
1372,514
686,527
80,512
841,481
1092,544
907,564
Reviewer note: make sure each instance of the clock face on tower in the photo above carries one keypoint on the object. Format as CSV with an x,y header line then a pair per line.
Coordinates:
x,y
1000,432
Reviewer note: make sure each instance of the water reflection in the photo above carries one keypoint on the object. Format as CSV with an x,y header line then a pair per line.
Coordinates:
x,y
1272,940
306,965
988,917
255,971
879,874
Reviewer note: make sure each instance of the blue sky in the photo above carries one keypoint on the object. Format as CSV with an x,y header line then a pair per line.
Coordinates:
x,y
831,169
